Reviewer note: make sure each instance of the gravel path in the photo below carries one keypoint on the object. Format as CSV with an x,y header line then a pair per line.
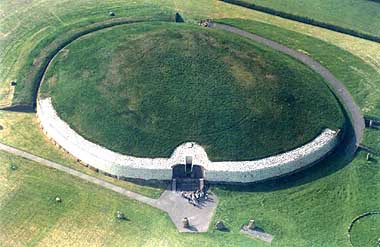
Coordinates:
x,y
169,202
94,180
340,90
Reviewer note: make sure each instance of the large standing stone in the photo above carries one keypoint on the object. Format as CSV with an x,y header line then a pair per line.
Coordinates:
x,y
371,123
120,215
251,224
220,226
185,222
368,156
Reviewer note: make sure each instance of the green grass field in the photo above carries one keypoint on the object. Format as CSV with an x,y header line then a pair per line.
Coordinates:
x,y
365,232
151,87
312,208
362,15
361,79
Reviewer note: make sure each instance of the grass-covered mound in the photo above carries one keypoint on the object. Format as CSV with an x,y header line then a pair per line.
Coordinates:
x,y
146,88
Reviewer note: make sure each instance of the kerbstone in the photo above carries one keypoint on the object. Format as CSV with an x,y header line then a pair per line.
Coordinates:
x,y
128,166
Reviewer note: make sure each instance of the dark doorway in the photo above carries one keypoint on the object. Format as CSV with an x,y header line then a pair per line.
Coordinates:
x,y
188,171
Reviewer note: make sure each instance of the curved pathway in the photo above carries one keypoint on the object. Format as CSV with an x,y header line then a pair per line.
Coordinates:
x,y
169,202
339,89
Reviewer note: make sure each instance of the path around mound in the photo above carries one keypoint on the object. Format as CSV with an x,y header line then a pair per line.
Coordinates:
x,y
169,202
337,86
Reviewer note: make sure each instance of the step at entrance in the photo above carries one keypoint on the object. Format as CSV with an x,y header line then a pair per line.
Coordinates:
x,y
187,184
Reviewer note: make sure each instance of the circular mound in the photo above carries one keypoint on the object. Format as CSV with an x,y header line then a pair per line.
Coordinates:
x,y
366,231
143,89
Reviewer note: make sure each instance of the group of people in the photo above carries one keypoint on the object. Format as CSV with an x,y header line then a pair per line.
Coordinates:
x,y
205,23
195,197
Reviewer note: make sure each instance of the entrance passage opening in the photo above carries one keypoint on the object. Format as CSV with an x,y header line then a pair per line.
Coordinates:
x,y
188,176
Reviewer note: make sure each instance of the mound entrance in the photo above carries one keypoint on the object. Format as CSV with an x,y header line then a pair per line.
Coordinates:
x,y
144,89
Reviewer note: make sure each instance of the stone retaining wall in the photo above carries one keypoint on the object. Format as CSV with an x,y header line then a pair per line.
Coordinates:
x,y
119,165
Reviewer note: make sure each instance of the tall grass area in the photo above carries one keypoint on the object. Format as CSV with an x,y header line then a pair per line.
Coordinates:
x,y
143,89
360,16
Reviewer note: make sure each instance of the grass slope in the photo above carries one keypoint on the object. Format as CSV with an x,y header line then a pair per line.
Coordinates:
x,y
298,215
361,79
150,87
24,35
362,16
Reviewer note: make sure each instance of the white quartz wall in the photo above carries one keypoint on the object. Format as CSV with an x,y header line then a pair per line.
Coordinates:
x,y
161,168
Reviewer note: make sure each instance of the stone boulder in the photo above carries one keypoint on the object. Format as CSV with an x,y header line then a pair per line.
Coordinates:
x,y
185,222
251,225
220,226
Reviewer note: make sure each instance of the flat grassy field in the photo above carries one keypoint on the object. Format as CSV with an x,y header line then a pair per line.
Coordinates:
x,y
311,208
365,232
29,215
21,130
143,89
362,15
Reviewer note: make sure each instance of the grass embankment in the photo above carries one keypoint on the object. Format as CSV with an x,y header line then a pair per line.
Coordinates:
x,y
24,34
351,16
28,38
145,88
361,79
302,212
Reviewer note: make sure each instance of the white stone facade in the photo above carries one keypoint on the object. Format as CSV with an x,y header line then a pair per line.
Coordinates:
x,y
161,168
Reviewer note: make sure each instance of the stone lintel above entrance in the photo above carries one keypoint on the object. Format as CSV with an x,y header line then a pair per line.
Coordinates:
x,y
189,152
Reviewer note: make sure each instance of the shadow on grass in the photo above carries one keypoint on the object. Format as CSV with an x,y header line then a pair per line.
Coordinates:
x,y
159,184
337,160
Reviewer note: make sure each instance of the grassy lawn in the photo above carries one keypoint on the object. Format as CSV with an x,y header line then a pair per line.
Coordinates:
x,y
362,16
361,79
365,232
150,87
29,215
23,35
312,208
21,130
